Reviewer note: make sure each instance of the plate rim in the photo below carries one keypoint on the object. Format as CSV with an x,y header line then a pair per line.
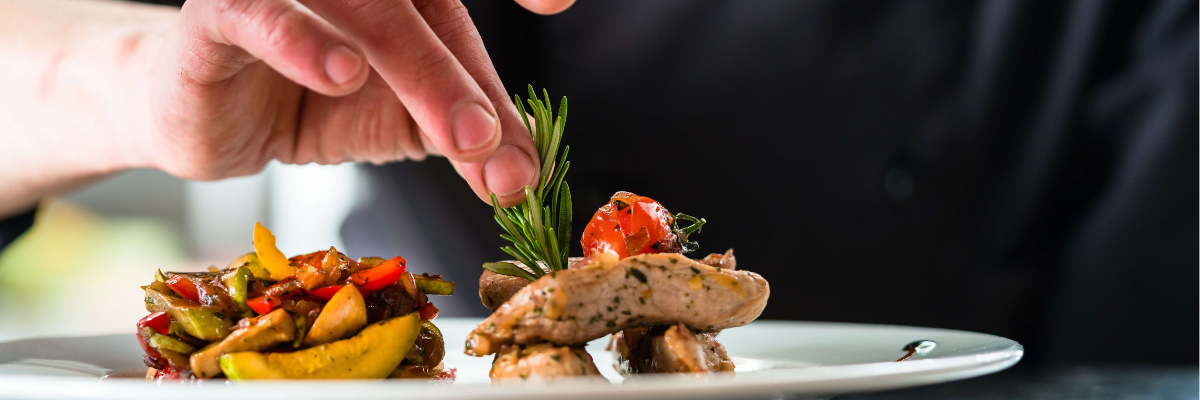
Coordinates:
x,y
866,377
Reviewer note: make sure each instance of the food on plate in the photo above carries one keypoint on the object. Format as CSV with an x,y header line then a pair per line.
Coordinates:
x,y
541,362
320,315
587,302
634,281
668,348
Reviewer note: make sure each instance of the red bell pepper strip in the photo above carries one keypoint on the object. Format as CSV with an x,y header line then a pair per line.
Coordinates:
x,y
428,312
380,276
184,287
166,373
160,321
263,304
324,293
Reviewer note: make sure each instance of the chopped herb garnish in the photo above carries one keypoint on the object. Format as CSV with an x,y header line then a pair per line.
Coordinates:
x,y
638,274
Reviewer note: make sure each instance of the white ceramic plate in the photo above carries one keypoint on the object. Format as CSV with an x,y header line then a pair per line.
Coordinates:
x,y
773,358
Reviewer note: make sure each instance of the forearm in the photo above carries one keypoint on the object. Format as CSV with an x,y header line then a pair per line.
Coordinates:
x,y
73,85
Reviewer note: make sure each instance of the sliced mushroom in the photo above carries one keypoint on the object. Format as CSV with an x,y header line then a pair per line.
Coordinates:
x,y
343,316
261,333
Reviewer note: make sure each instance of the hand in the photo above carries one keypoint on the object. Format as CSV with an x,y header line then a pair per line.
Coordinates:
x,y
237,83
223,86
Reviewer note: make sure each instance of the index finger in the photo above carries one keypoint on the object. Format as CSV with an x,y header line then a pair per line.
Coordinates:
x,y
443,99
514,164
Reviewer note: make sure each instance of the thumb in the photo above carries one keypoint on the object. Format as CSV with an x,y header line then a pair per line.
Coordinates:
x,y
546,7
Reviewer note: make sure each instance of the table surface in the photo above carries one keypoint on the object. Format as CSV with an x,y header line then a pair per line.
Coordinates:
x,y
1065,383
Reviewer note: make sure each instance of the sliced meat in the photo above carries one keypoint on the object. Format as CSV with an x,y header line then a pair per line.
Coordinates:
x,y
543,361
585,303
258,334
667,349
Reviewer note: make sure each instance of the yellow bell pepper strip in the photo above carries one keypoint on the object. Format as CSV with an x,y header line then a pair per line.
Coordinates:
x,y
271,258
372,354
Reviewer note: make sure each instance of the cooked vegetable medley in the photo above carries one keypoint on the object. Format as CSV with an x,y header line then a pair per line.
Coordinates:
x,y
320,315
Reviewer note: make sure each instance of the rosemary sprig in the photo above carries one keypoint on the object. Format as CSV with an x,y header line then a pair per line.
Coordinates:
x,y
540,227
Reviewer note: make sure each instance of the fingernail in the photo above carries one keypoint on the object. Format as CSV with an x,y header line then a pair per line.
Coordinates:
x,y
508,170
473,127
342,64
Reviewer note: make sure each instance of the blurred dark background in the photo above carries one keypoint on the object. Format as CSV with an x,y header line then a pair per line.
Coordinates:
x,y
1021,168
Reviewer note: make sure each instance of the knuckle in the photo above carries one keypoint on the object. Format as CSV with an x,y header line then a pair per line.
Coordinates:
x,y
449,21
376,14
230,7
274,24
280,27
211,62
431,64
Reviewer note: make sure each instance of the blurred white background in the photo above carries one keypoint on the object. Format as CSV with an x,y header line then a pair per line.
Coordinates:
x,y
78,270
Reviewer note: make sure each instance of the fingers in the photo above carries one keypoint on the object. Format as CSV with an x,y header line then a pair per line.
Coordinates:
x,y
443,99
226,35
546,7
370,125
514,163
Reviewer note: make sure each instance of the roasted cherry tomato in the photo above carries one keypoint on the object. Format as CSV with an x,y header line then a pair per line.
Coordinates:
x,y
380,276
184,287
630,225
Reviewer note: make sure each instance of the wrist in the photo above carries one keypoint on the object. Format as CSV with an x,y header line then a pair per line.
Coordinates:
x,y
74,100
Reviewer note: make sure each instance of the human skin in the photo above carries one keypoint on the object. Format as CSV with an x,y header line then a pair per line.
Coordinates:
x,y
220,87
